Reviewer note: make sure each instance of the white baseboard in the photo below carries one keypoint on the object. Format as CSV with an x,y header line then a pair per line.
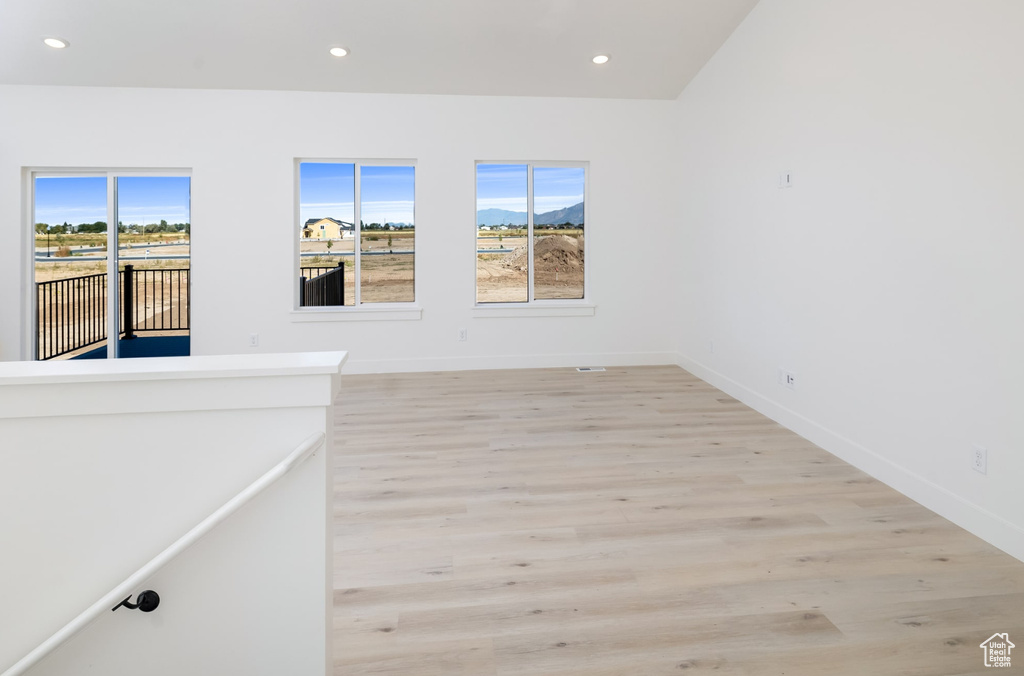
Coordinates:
x,y
532,361
988,526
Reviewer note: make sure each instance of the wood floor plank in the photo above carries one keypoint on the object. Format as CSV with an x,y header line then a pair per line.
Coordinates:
x,y
635,521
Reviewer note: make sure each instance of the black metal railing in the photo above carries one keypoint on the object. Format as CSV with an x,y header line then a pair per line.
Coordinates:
x,y
71,314
322,286
154,300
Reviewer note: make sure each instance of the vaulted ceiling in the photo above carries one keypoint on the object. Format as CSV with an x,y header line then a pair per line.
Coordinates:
x,y
479,47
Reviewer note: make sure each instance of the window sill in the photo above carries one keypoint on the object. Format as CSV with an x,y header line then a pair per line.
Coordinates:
x,y
536,310
360,314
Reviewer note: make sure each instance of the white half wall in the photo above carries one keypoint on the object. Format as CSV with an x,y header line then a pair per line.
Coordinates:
x,y
107,463
240,147
888,278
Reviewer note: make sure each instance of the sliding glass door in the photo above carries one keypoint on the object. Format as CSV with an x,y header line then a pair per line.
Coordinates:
x,y
103,290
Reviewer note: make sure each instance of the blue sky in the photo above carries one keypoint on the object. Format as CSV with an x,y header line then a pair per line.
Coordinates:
x,y
503,186
328,190
557,188
150,199
83,199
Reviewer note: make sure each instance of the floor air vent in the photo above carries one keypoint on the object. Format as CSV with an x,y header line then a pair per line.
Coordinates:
x,y
590,368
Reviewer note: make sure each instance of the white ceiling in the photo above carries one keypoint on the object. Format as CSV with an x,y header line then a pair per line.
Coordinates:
x,y
481,47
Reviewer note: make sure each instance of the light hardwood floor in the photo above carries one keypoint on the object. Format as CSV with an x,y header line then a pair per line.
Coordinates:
x,y
635,522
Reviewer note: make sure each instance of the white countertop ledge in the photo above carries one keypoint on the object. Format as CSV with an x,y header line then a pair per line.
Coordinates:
x,y
171,368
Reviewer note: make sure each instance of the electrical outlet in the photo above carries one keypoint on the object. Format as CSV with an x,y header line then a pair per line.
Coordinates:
x,y
254,340
786,378
463,335
979,459
711,347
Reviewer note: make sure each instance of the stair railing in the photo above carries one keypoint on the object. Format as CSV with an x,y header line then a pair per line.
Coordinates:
x,y
120,594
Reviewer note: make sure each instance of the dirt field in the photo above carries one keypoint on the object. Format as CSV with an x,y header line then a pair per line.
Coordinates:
x,y
63,267
388,274
558,270
100,239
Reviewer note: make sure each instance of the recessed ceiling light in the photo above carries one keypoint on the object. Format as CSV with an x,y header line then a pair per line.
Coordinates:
x,y
56,43
601,59
339,51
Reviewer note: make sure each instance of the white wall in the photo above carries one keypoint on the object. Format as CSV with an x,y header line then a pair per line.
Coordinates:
x,y
241,146
889,278
105,464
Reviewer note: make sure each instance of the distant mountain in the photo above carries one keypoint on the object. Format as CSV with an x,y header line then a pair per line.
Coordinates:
x,y
573,214
500,217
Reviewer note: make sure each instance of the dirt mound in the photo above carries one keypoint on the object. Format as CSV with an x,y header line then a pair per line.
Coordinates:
x,y
550,252
558,251
517,260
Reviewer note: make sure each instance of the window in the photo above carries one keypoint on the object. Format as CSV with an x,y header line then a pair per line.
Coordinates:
x,y
357,233
530,232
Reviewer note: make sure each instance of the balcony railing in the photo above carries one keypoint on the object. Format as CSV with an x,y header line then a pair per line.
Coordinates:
x,y
71,314
154,300
322,286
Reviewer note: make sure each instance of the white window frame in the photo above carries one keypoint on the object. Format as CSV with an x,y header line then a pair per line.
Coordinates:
x,y
29,176
357,312
534,307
